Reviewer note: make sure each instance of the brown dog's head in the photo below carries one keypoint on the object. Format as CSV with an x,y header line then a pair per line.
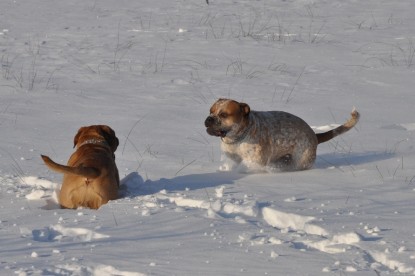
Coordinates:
x,y
97,133
227,118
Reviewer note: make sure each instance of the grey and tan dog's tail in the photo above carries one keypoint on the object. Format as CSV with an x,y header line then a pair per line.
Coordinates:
x,y
86,172
326,136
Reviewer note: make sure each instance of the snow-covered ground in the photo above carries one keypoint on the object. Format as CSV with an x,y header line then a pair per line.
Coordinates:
x,y
151,69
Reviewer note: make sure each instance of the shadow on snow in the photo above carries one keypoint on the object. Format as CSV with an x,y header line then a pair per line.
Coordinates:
x,y
326,160
134,185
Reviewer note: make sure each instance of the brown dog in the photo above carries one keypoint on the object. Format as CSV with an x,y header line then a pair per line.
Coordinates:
x,y
272,139
91,177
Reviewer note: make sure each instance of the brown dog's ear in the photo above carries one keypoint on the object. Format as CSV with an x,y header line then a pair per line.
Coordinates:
x,y
76,138
245,108
109,135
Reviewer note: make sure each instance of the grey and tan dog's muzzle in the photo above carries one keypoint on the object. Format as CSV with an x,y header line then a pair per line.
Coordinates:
x,y
211,121
213,127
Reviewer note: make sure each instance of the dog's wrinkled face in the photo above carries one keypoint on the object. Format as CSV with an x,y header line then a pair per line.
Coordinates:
x,y
97,132
226,118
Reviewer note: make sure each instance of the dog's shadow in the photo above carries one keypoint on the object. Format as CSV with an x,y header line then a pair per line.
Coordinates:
x,y
134,185
327,160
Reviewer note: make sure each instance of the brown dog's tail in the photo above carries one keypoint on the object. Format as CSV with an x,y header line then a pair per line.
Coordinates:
x,y
86,172
325,136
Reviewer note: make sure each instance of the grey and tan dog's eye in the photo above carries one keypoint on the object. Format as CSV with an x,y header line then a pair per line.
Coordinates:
x,y
223,115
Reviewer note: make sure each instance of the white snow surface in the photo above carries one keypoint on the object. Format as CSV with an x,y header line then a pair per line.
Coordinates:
x,y
151,70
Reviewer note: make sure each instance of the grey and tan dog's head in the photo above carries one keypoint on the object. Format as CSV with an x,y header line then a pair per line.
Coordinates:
x,y
226,118
94,132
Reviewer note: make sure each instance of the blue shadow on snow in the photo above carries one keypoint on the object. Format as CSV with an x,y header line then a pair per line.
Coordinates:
x,y
351,159
134,185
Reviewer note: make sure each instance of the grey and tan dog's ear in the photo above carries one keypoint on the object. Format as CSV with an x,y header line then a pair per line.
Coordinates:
x,y
245,108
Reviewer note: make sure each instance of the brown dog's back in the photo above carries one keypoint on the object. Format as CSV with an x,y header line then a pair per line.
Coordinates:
x,y
90,177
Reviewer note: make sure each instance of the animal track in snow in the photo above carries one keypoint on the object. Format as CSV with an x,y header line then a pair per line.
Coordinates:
x,y
300,231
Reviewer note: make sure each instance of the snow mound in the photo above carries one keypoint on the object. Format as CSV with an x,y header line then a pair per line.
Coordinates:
x,y
106,270
59,232
99,270
39,183
387,261
336,244
40,188
293,222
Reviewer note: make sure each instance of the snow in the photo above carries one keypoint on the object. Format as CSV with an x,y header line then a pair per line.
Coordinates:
x,y
151,70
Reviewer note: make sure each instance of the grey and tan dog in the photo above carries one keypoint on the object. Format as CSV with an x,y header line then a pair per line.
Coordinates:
x,y
272,139
91,176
